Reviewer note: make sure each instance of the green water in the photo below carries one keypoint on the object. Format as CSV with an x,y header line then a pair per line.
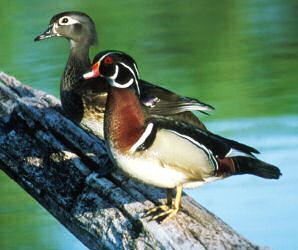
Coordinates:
x,y
239,56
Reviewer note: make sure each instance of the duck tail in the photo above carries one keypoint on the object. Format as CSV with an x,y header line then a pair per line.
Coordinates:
x,y
247,165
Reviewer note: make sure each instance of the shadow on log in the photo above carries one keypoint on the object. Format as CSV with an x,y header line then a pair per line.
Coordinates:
x,y
61,166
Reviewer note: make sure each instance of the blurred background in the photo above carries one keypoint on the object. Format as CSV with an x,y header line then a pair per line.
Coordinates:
x,y
239,56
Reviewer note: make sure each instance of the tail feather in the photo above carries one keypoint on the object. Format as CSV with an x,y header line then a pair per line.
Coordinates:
x,y
247,165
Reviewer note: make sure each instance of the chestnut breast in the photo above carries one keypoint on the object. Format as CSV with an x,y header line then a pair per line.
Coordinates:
x,y
124,119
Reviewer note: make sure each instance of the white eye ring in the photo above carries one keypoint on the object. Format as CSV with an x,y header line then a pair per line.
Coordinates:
x,y
67,20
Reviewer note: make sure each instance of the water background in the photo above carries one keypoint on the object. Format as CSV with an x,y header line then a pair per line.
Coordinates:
x,y
239,56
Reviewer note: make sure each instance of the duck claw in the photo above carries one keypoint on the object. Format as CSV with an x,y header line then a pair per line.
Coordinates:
x,y
165,216
151,212
161,213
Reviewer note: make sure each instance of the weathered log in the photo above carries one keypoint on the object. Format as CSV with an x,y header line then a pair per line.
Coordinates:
x,y
61,166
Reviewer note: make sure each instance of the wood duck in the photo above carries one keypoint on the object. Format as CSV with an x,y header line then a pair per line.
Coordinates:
x,y
161,150
79,29
85,105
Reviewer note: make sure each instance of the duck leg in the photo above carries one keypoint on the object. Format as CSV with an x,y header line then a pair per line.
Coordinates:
x,y
169,197
162,208
167,212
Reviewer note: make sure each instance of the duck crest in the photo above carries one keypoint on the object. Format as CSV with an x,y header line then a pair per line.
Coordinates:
x,y
125,121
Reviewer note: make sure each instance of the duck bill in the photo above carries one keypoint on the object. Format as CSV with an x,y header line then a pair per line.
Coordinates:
x,y
49,32
94,73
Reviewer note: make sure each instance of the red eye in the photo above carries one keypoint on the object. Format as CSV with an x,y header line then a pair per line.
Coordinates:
x,y
108,60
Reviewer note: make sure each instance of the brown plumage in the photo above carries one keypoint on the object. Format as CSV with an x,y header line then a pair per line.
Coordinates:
x,y
84,101
125,119
163,151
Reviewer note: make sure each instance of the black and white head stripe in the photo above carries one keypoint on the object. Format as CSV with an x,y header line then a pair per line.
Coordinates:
x,y
123,64
135,78
136,69
104,55
113,79
115,75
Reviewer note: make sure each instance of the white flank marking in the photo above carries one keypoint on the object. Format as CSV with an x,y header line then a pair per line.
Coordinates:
x,y
235,152
206,150
143,137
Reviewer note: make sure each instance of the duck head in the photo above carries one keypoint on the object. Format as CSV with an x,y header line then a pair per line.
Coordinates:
x,y
119,69
77,27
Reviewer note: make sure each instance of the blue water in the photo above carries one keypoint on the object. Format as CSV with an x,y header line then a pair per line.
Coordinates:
x,y
240,56
263,211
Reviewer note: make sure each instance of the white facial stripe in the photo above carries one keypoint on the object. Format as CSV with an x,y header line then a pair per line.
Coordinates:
x,y
112,52
201,146
133,73
138,88
121,86
118,85
55,26
113,77
100,59
129,69
70,20
138,75
143,138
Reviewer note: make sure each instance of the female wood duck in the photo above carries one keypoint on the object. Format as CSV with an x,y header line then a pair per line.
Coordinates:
x,y
162,151
85,105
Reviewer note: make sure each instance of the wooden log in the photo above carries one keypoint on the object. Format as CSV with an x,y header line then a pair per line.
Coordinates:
x,y
62,167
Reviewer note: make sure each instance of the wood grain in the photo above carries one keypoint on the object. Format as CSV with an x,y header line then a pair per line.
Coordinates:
x,y
62,167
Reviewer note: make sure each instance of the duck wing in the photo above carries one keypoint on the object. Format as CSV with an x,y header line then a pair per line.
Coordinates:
x,y
164,102
213,145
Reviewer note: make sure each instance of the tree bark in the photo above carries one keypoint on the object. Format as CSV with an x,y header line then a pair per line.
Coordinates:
x,y
63,167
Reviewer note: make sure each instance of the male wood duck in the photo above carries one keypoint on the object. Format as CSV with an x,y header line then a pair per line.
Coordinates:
x,y
160,150
85,105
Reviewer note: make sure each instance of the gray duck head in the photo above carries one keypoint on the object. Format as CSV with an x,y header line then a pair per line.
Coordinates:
x,y
76,26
